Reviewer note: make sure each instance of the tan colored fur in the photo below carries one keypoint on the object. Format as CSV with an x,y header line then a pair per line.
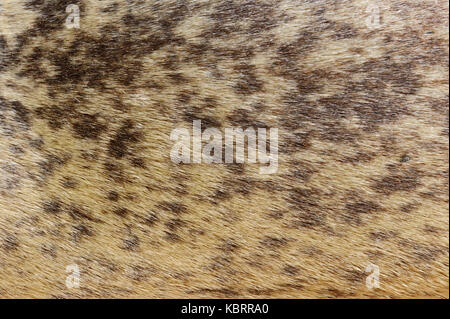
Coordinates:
x,y
86,178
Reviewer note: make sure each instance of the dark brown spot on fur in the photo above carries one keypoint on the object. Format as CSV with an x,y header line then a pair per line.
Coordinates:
x,y
308,219
177,78
37,143
121,211
78,214
405,158
151,218
126,135
22,113
355,276
220,195
111,8
305,203
273,242
229,14
175,224
88,126
336,293
344,31
276,214
248,83
69,182
10,242
131,242
48,166
139,273
113,196
115,172
138,162
79,231
260,292
228,292
52,206
302,171
171,237
359,157
55,116
353,211
422,252
240,185
290,270
229,246
408,208
174,207
48,250
396,182
294,142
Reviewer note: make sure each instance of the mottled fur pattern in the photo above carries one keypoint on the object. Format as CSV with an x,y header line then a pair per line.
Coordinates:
x,y
86,178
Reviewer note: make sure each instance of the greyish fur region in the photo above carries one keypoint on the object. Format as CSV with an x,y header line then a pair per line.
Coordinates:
x,y
360,98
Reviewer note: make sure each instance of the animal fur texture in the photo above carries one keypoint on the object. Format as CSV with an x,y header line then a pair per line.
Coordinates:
x,y
357,89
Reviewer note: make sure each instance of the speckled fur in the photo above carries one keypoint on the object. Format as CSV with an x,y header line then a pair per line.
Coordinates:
x,y
86,178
